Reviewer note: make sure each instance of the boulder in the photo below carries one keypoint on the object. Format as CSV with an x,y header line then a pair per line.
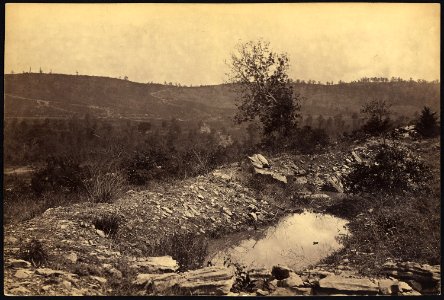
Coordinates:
x,y
281,272
292,281
388,287
349,285
259,161
159,264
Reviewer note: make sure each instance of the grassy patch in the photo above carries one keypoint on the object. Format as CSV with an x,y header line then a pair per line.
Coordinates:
x,y
405,229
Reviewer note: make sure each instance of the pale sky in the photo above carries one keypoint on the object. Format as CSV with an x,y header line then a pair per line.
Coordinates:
x,y
188,43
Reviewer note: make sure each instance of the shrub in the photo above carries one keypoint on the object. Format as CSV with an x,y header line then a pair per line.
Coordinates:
x,y
109,224
144,166
392,170
34,252
60,174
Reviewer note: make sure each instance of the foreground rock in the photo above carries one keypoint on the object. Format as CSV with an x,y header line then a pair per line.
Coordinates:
x,y
205,281
423,278
160,264
348,285
263,170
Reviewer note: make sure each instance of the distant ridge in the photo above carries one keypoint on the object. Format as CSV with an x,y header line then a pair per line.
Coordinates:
x,y
60,95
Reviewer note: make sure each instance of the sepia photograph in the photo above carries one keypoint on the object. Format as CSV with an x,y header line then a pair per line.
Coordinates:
x,y
224,149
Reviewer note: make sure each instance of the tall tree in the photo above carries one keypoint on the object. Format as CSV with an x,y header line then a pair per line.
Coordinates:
x,y
378,117
427,124
260,77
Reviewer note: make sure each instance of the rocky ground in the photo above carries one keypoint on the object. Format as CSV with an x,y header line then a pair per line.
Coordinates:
x,y
104,249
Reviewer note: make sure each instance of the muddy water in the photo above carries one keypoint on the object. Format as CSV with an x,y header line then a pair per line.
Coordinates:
x,y
297,241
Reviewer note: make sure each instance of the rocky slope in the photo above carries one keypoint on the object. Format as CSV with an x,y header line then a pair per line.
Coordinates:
x,y
106,249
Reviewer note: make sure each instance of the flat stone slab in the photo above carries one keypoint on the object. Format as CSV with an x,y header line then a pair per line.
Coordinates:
x,y
340,283
157,264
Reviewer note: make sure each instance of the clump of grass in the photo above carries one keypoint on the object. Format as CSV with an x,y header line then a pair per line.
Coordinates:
x,y
34,252
105,188
109,224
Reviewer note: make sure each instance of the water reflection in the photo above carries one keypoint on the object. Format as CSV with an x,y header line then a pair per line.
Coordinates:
x,y
297,241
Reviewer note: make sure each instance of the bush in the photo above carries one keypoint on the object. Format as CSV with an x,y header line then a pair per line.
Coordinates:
x,y
34,252
60,174
144,166
392,170
308,140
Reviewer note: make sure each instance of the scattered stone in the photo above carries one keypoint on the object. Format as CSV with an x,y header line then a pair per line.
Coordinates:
x,y
415,285
356,157
273,176
66,284
259,161
404,287
303,291
72,257
18,263
49,272
99,279
280,291
100,233
22,273
260,292
301,180
411,293
10,240
281,272
253,216
115,273
20,291
388,286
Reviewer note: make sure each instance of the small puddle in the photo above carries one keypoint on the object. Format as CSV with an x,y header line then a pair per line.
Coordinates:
x,y
297,241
